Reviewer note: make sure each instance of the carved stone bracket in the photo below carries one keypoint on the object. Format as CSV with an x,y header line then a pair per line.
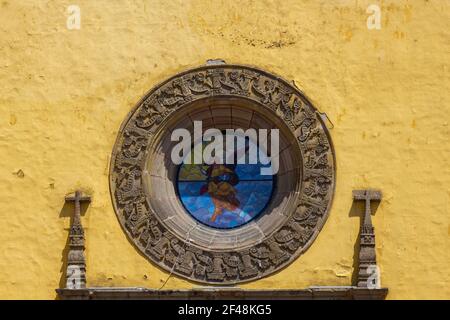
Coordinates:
x,y
76,263
368,274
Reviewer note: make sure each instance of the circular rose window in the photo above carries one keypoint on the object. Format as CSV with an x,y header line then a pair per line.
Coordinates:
x,y
217,221
225,196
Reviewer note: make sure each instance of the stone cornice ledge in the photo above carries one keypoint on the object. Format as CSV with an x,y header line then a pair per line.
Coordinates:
x,y
220,293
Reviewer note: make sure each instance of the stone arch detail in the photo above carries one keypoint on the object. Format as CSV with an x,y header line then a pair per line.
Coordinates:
x,y
299,222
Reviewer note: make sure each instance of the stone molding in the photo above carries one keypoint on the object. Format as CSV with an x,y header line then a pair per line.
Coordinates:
x,y
178,255
312,293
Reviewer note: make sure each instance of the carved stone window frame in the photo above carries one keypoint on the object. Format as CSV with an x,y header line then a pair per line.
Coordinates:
x,y
134,205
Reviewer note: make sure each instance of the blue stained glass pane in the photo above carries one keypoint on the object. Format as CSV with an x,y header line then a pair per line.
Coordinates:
x,y
251,172
224,196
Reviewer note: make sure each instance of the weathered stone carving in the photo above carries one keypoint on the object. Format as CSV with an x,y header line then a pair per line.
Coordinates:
x,y
367,256
276,250
76,263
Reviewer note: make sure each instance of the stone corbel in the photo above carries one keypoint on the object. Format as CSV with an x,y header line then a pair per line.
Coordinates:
x,y
368,271
76,263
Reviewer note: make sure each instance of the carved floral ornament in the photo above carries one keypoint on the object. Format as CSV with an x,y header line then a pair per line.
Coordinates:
x,y
177,247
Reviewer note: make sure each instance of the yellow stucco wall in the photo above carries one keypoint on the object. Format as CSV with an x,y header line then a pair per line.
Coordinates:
x,y
64,94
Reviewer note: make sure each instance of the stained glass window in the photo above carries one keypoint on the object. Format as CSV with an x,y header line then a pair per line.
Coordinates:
x,y
224,196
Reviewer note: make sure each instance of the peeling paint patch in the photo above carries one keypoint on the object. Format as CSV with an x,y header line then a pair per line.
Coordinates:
x,y
20,174
342,273
12,119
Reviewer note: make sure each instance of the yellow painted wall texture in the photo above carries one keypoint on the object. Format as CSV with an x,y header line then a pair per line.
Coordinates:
x,y
64,94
